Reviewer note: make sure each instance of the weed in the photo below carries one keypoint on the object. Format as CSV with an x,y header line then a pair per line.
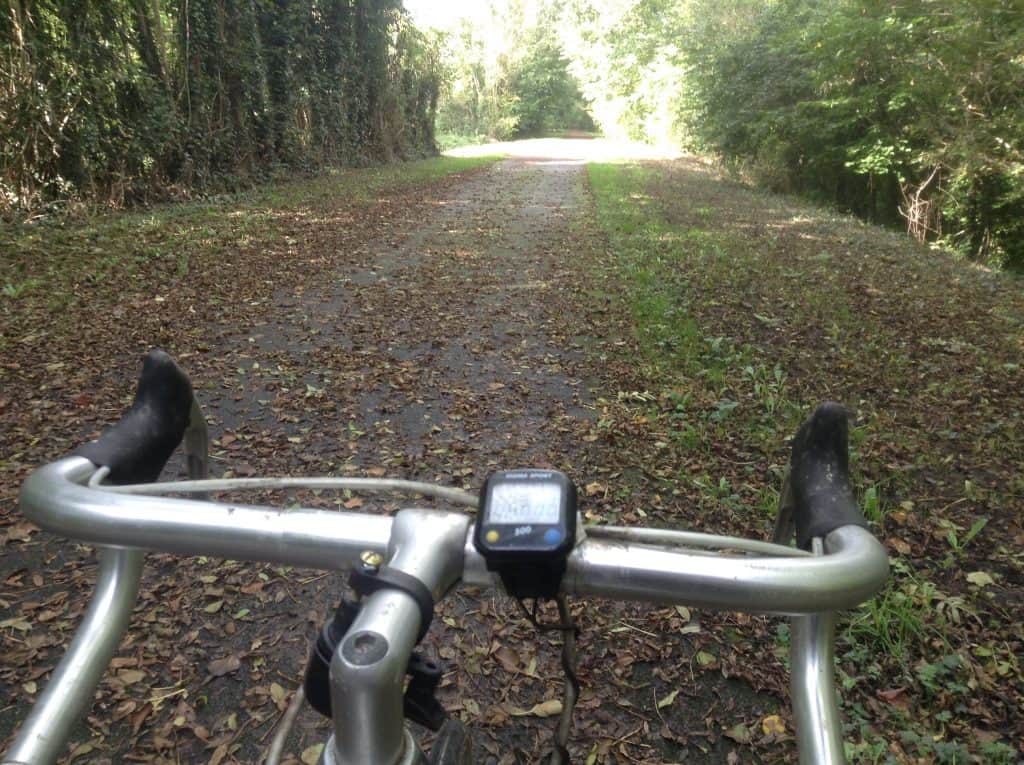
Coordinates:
x,y
769,386
182,265
939,676
893,620
953,536
687,437
721,493
724,409
932,750
767,501
872,506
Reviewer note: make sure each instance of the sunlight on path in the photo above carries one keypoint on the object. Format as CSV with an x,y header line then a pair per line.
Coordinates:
x,y
582,149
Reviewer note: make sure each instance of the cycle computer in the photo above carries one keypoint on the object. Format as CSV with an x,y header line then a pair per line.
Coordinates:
x,y
526,528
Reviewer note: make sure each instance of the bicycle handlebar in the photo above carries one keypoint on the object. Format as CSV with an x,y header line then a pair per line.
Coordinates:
x,y
136,448
848,565
54,497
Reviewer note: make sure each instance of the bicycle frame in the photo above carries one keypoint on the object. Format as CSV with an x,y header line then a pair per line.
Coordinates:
x,y
368,669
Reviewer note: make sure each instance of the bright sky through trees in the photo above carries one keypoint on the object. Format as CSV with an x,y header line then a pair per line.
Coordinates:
x,y
444,15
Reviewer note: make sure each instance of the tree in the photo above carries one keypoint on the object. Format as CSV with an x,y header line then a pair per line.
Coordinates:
x,y
120,99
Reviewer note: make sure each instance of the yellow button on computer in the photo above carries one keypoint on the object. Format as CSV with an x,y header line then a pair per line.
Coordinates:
x,y
492,536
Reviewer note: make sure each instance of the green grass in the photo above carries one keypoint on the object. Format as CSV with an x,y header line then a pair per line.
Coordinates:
x,y
669,336
719,388
721,378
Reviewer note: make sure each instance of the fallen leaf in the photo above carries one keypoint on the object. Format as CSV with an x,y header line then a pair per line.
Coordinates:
x,y
548,708
508,658
218,755
898,545
17,622
704,658
221,667
895,696
667,701
130,676
980,579
773,725
279,695
311,754
739,733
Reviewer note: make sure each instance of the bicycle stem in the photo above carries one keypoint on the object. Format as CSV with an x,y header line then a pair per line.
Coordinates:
x,y
368,669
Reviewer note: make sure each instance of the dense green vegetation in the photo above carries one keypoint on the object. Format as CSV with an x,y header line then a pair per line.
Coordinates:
x,y
906,113
510,79
911,109
903,112
132,99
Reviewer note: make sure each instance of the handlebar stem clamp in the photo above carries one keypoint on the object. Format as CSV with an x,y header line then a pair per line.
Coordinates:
x,y
366,580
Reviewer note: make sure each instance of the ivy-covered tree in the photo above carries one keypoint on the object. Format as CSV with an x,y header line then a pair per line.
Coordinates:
x,y
908,111
121,99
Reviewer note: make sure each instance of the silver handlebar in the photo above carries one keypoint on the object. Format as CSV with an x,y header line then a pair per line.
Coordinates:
x,y
854,567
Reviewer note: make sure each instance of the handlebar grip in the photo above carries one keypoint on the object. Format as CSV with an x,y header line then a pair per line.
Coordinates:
x,y
139,445
820,476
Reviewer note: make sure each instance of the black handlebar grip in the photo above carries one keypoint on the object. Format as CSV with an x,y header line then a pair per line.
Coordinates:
x,y
137,448
820,476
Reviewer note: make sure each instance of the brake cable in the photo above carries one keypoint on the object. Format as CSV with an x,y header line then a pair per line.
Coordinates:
x,y
569,630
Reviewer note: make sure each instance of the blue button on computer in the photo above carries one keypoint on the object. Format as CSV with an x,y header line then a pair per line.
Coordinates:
x,y
552,536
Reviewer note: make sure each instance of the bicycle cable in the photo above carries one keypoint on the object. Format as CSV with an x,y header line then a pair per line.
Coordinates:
x,y
569,630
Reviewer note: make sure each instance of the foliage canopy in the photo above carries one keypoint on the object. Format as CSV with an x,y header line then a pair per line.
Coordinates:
x,y
124,99
896,110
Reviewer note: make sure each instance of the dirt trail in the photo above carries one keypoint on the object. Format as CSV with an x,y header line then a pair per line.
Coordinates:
x,y
445,335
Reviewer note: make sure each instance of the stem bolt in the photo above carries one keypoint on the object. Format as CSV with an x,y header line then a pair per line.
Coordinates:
x,y
371,559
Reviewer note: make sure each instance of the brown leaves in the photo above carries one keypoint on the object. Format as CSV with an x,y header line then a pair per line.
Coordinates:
x,y
549,708
224,666
280,696
508,658
130,676
773,725
19,531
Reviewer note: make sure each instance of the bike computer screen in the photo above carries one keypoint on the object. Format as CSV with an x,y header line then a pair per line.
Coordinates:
x,y
516,502
526,527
